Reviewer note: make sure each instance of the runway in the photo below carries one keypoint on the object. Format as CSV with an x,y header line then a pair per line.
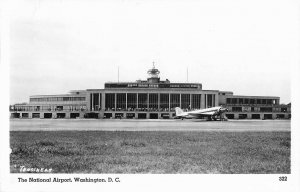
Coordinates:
x,y
147,125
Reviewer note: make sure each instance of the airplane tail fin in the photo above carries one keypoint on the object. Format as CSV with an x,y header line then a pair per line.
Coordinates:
x,y
178,111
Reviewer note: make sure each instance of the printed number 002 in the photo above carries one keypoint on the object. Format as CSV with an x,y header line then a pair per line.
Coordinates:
x,y
283,178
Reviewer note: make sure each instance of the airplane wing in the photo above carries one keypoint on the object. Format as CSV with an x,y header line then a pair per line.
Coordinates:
x,y
203,114
208,113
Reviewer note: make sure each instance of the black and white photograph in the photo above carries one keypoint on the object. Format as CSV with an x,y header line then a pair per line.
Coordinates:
x,y
162,95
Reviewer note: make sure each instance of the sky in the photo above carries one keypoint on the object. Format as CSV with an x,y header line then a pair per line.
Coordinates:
x,y
247,47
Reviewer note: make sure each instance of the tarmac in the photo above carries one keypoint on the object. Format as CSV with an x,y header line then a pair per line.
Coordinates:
x,y
147,125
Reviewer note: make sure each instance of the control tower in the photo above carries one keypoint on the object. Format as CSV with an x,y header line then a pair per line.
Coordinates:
x,y
153,75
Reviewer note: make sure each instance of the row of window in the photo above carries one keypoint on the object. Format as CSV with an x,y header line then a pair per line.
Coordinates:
x,y
261,109
83,108
49,108
257,116
142,109
251,101
140,115
53,99
156,101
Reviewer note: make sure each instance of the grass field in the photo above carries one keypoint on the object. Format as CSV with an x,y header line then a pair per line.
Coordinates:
x,y
151,152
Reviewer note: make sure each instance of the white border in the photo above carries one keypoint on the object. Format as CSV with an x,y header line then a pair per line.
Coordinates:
x,y
152,182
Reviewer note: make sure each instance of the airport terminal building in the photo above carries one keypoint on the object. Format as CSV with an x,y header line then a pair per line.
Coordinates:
x,y
148,99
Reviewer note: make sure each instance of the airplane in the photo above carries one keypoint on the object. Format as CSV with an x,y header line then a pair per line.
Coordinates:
x,y
211,113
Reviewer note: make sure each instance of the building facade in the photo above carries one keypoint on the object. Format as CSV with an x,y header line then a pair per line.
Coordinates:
x,y
148,99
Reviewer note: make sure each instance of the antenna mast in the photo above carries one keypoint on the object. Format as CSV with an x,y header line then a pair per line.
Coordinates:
x,y
118,74
187,74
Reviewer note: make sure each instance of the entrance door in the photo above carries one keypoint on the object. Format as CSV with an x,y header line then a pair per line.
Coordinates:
x,y
153,115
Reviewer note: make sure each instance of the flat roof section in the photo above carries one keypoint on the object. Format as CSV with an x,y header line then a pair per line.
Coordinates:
x,y
254,97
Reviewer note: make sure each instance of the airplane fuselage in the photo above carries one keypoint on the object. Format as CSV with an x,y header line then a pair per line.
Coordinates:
x,y
212,113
